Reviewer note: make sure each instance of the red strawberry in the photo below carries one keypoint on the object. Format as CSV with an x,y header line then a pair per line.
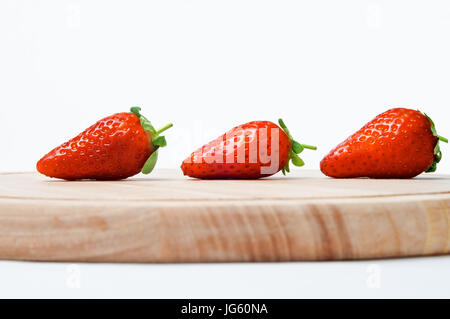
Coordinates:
x,y
116,147
399,143
252,150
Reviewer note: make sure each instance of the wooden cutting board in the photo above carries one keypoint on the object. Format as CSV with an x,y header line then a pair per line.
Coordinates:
x,y
166,217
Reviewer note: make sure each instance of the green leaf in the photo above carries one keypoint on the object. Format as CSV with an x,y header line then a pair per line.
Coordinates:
x,y
147,125
437,149
285,129
432,168
297,147
156,140
160,141
150,163
433,128
136,110
297,161
438,156
287,167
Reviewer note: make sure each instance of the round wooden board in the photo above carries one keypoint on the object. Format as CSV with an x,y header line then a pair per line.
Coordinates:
x,y
166,217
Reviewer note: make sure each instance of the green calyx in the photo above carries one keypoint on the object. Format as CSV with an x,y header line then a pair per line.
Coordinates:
x,y
437,149
157,140
296,148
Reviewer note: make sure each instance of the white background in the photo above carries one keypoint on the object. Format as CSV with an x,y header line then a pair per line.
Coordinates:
x,y
325,66
425,277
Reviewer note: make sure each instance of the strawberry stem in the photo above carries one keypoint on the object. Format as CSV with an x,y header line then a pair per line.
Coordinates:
x,y
296,148
310,147
443,139
165,127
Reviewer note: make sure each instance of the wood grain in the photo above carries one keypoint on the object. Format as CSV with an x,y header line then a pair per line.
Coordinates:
x,y
168,218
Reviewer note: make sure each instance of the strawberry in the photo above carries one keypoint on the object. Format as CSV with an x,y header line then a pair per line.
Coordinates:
x,y
399,143
248,151
116,147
